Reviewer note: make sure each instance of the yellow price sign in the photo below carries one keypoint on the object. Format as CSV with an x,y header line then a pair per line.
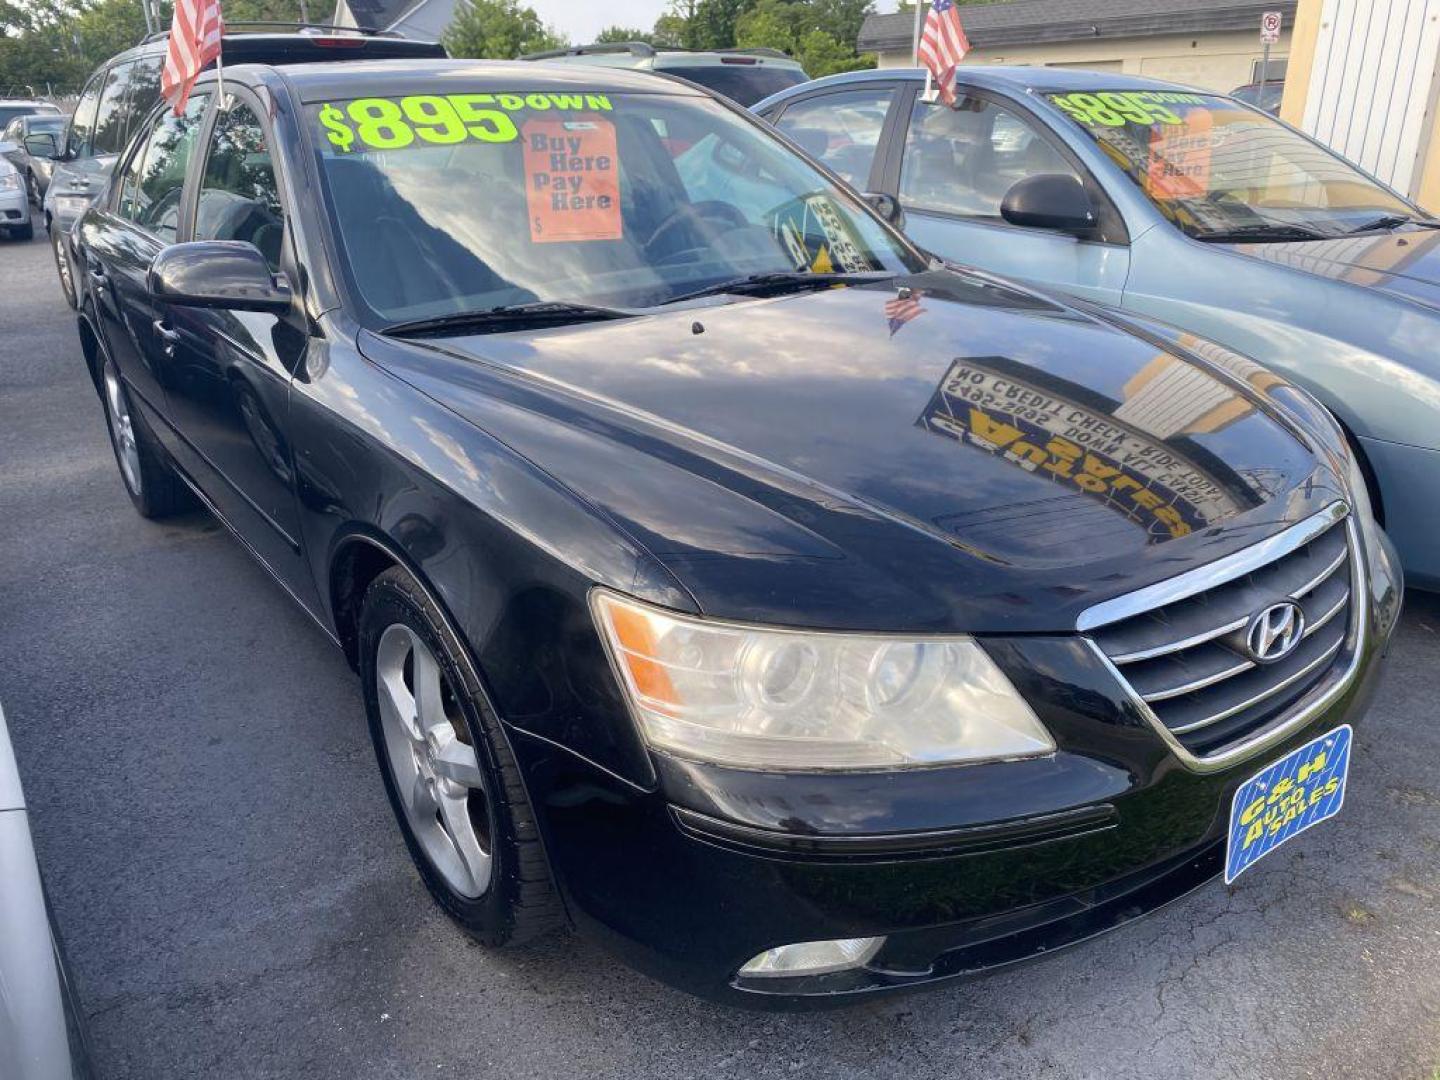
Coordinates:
x,y
376,123
1116,108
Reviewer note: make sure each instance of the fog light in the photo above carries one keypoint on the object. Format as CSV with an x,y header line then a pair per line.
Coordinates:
x,y
813,957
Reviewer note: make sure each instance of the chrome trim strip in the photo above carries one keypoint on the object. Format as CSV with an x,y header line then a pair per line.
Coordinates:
x,y
1323,576
1324,620
1264,739
1204,578
1200,684
1176,646
1268,692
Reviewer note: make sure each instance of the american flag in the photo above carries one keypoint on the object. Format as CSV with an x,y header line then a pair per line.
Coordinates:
x,y
943,45
194,41
903,308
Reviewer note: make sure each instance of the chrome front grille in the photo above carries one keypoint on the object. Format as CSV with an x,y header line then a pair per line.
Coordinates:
x,y
1181,646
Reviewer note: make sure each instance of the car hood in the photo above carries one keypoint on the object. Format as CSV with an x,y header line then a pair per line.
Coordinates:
x,y
904,452
1403,264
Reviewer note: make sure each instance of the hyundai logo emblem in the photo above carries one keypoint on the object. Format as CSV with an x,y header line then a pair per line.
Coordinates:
x,y
1275,632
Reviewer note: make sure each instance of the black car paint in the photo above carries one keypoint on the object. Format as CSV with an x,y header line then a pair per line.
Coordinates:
x,y
512,477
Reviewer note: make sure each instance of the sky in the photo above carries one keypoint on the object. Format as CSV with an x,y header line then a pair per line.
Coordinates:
x,y
583,19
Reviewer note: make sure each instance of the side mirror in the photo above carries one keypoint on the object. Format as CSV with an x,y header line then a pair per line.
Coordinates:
x,y
887,206
228,274
42,145
1050,201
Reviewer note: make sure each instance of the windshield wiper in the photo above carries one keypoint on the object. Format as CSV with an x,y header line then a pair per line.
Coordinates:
x,y
780,281
1260,233
507,315
1392,221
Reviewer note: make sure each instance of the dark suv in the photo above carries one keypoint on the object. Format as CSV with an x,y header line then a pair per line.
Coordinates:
x,y
802,616
127,87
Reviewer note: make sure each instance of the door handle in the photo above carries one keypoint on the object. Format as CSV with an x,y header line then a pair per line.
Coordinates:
x,y
97,273
167,335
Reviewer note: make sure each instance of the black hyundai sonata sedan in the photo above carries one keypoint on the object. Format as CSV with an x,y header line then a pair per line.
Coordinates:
x,y
802,616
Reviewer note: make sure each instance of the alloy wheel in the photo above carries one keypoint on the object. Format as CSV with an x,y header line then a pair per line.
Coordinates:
x,y
122,428
432,761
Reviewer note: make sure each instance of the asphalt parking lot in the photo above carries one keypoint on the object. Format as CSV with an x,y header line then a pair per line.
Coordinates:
x,y
237,902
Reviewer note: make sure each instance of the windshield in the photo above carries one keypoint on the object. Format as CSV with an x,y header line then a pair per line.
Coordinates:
x,y
465,202
1213,166
42,124
743,82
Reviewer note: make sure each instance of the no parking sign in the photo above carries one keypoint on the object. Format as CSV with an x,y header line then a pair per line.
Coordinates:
x,y
1270,27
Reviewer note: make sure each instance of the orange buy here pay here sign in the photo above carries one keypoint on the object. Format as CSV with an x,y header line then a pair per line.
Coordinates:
x,y
572,182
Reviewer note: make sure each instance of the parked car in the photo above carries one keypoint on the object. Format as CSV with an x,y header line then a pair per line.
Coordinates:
x,y
802,617
10,108
35,168
127,87
42,1028
743,75
1184,207
14,203
1266,95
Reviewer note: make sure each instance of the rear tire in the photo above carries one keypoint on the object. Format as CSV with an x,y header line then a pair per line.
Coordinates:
x,y
452,782
147,474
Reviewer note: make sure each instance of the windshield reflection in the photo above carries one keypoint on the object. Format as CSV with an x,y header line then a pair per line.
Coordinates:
x,y
615,200
1136,458
1214,167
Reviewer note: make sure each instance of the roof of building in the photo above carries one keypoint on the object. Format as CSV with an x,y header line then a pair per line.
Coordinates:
x,y
1043,22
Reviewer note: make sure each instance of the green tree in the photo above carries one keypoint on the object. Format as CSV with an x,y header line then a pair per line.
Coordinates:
x,y
499,30
624,33
821,34
712,26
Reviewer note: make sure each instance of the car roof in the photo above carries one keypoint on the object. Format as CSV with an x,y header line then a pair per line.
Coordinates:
x,y
28,103
999,77
318,82
275,48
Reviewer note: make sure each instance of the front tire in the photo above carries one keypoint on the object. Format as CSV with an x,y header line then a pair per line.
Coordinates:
x,y
23,232
63,267
148,476
451,779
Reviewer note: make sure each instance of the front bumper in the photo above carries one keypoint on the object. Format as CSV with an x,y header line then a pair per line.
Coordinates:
x,y
960,869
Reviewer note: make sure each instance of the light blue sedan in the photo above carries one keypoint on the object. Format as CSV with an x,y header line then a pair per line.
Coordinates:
x,y
1180,206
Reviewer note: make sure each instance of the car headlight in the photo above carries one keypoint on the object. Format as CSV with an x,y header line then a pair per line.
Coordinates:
x,y
764,698
9,181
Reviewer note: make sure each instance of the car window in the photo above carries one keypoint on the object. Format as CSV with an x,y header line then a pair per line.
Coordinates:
x,y
144,90
963,159
127,203
841,129
151,195
743,83
82,124
111,115
239,198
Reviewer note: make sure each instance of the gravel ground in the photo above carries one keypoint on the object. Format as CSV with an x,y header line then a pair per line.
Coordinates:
x,y
238,903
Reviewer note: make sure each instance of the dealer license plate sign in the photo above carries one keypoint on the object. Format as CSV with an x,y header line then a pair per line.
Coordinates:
x,y
1302,789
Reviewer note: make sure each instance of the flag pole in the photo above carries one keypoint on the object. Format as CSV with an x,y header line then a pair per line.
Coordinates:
x,y
915,41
